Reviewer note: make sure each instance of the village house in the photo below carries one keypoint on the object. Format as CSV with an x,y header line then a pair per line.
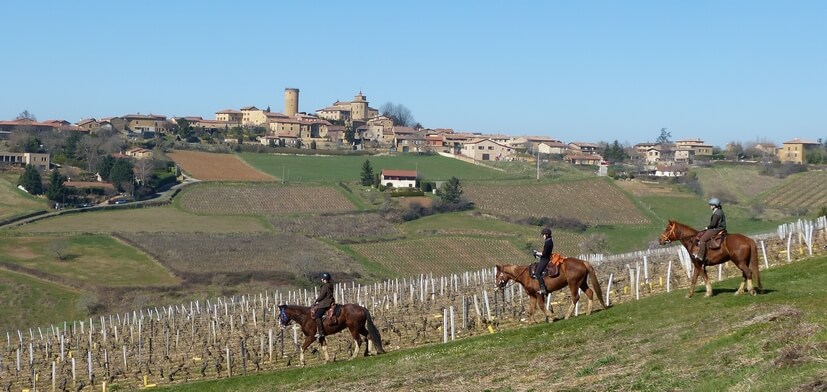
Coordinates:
x,y
399,178
796,150
230,116
580,159
583,148
551,147
138,153
39,160
670,171
699,148
486,150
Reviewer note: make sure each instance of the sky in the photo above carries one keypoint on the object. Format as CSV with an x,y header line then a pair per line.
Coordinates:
x,y
587,71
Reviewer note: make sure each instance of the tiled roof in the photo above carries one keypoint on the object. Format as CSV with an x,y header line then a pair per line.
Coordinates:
x,y
399,173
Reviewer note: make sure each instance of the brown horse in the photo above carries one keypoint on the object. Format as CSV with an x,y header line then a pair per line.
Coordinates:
x,y
739,249
353,317
573,272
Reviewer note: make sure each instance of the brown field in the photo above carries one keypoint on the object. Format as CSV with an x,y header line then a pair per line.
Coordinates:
x,y
339,227
441,255
591,201
263,199
154,219
216,167
279,258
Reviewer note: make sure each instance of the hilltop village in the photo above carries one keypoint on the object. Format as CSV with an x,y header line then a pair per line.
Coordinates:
x,y
356,125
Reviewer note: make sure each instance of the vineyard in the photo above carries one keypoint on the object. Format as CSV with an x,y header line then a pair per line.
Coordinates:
x,y
216,167
440,255
274,258
233,336
262,199
806,190
593,201
342,228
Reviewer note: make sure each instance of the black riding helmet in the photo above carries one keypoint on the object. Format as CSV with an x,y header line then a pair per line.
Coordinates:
x,y
546,231
326,276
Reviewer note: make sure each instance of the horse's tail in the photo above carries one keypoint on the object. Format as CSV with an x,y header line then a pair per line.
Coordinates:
x,y
596,284
374,333
753,264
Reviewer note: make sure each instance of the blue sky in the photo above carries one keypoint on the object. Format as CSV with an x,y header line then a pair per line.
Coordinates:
x,y
576,71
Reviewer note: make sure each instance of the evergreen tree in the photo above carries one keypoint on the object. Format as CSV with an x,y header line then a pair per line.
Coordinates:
x,y
105,166
56,191
367,173
121,173
30,179
450,191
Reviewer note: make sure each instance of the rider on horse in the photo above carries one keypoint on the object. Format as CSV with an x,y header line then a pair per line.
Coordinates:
x,y
323,303
717,223
545,257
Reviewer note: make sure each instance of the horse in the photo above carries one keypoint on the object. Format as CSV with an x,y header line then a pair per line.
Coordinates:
x,y
355,318
738,248
573,272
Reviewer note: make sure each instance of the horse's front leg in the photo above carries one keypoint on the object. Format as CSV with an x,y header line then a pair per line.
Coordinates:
x,y
532,302
707,283
695,272
545,304
307,341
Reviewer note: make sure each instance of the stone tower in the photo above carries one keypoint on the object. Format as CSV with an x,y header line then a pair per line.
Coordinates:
x,y
359,107
291,101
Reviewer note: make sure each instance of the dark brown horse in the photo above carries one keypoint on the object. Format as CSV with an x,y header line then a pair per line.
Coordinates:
x,y
739,249
574,273
353,317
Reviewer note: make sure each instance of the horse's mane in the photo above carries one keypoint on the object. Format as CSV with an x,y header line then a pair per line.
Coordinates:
x,y
512,269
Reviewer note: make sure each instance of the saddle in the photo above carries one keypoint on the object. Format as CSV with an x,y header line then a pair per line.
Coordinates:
x,y
714,242
556,261
331,315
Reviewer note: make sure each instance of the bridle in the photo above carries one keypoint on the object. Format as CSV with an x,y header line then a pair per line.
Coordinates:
x,y
667,237
671,235
502,284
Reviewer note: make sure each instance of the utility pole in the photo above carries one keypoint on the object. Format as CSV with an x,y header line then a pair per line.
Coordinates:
x,y
538,164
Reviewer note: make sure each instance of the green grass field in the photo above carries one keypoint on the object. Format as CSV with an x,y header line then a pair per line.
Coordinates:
x,y
155,219
348,168
771,342
13,201
93,260
28,301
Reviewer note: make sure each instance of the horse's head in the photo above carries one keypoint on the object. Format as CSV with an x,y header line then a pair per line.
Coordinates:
x,y
501,278
668,234
284,319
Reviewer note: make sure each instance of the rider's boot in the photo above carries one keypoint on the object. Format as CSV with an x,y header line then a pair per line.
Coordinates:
x,y
542,282
319,328
701,255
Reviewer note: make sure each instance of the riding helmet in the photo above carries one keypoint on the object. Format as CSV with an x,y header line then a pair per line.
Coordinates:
x,y
326,276
546,231
714,202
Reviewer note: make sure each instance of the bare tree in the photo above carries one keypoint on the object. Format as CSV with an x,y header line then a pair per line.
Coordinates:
x,y
398,113
26,115
59,247
143,170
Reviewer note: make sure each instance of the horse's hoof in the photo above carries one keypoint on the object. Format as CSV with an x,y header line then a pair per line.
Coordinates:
x,y
753,292
737,293
689,296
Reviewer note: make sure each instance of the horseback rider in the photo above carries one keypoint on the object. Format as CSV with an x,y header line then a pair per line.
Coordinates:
x,y
717,223
324,301
545,257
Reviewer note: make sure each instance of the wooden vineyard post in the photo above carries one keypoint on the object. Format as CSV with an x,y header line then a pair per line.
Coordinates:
x,y
669,276
609,289
764,252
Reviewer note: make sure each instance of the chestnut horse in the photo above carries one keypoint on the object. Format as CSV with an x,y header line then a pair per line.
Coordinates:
x,y
573,272
353,317
738,248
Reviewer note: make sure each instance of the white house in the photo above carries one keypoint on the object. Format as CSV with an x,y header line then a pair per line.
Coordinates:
x,y
486,150
399,178
669,171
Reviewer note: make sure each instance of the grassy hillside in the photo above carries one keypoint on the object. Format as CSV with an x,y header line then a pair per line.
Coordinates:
x,y
15,202
773,342
28,301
